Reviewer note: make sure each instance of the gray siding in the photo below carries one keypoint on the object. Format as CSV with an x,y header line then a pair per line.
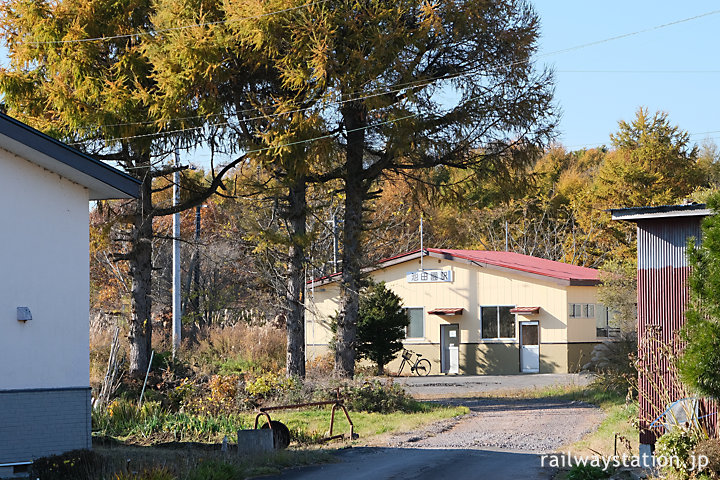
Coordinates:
x,y
37,423
662,243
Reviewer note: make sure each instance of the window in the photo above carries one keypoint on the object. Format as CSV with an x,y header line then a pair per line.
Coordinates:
x,y
416,328
582,310
604,323
497,322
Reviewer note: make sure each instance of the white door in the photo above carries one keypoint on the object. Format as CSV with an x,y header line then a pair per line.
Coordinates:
x,y
529,347
450,348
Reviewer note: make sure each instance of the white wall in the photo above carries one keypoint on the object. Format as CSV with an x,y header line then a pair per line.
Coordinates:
x,y
43,266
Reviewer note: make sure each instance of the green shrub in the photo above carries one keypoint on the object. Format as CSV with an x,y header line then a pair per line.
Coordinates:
x,y
382,322
269,385
587,472
676,444
214,470
124,419
379,397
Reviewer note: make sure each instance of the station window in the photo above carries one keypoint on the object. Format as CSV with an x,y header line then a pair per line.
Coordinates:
x,y
582,310
497,322
416,328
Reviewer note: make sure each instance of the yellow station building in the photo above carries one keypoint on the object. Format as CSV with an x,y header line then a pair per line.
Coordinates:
x,y
481,312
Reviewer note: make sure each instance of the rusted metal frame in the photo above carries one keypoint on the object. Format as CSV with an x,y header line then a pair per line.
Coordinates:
x,y
257,417
264,412
298,405
332,422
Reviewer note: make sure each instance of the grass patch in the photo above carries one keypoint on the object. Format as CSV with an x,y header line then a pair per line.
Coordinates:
x,y
153,463
152,424
311,425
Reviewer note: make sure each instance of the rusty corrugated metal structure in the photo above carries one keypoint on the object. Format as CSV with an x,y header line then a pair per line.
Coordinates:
x,y
663,270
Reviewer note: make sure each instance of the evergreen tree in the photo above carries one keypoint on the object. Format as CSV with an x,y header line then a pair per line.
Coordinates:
x,y
381,325
699,363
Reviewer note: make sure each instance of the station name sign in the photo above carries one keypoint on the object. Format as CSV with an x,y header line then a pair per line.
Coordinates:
x,y
428,276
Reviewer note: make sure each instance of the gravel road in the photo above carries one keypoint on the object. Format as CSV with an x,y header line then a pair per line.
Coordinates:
x,y
499,438
519,425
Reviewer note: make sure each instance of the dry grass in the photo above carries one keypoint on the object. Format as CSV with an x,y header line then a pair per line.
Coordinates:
x,y
237,347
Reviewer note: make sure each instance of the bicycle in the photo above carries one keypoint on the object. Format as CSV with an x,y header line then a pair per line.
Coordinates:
x,y
421,367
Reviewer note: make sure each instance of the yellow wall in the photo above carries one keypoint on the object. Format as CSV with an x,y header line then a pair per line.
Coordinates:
x,y
472,287
582,329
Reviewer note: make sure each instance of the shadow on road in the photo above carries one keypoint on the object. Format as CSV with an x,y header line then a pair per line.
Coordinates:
x,y
410,463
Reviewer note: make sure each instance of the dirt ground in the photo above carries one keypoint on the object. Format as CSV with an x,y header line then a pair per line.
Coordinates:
x,y
499,438
521,425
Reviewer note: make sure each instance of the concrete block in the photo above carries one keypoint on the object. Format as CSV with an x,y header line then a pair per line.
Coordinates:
x,y
255,441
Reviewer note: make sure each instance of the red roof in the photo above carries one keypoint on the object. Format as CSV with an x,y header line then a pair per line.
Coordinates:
x,y
515,261
524,263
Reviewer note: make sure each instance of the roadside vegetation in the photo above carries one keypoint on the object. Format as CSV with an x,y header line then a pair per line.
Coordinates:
x,y
193,404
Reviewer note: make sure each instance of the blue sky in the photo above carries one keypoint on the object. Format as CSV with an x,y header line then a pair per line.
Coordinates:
x,y
677,67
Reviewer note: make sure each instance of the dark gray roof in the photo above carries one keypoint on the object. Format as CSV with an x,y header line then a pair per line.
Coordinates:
x,y
102,180
663,211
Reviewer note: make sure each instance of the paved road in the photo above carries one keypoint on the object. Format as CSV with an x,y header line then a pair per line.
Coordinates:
x,y
376,463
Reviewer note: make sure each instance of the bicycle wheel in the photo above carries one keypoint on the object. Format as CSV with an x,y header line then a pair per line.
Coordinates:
x,y
422,367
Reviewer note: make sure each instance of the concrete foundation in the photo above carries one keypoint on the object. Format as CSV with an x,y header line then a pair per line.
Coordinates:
x,y
255,441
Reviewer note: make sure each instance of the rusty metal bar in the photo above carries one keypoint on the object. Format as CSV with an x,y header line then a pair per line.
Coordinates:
x,y
257,417
298,405
335,404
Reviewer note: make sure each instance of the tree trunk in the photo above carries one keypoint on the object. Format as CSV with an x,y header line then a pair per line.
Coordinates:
x,y
295,319
140,261
355,193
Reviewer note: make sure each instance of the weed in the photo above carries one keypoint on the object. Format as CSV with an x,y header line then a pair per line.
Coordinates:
x,y
376,396
155,473
587,472
75,465
214,470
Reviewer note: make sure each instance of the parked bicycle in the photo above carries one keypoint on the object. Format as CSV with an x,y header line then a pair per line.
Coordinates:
x,y
421,366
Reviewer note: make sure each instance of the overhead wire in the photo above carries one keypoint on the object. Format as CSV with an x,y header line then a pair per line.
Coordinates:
x,y
427,81
396,88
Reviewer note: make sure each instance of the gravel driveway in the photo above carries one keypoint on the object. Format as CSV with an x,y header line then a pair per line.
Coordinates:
x,y
519,425
499,438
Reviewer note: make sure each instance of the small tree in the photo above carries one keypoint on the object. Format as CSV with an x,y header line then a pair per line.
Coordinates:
x,y
699,363
381,325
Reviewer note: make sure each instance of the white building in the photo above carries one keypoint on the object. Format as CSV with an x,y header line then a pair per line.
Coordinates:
x,y
45,187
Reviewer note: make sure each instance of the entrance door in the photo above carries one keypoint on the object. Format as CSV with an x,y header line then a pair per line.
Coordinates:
x,y
529,347
450,348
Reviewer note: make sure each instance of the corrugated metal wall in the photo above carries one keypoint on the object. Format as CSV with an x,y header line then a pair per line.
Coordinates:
x,y
662,300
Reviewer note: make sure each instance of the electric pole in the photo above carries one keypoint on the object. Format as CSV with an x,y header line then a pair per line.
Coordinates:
x,y
176,307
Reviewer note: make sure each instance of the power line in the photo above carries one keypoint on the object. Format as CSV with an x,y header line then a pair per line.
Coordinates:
x,y
173,29
400,87
424,82
637,32
652,72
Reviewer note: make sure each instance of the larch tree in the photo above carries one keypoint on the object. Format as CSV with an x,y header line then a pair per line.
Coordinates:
x,y
216,73
653,163
79,73
410,85
382,87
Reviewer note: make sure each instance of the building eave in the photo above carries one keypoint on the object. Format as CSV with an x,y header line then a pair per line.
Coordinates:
x,y
102,181
634,214
415,254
